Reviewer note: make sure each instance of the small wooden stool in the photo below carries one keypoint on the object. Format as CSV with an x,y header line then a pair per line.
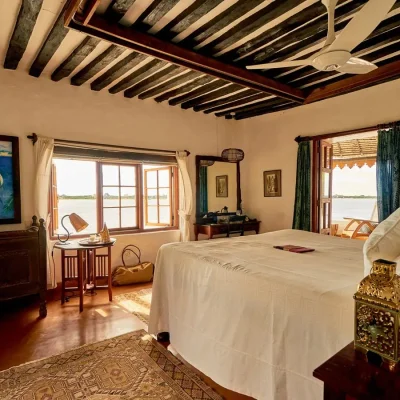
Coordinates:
x,y
85,268
349,376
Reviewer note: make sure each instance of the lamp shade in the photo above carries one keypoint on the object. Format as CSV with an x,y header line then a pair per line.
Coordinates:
x,y
232,155
77,222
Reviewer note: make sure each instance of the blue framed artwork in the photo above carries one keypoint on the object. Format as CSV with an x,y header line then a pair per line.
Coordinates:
x,y
10,196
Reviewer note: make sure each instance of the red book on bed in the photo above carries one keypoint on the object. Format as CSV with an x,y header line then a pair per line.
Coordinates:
x,y
294,249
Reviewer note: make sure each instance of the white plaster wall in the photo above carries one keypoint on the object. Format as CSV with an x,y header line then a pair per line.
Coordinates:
x,y
217,203
268,142
63,111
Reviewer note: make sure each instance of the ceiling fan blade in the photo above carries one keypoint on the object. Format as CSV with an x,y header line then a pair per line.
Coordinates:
x,y
362,25
280,64
330,7
357,66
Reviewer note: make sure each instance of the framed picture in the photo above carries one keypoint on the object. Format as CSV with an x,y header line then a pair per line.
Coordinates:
x,y
222,185
273,183
10,197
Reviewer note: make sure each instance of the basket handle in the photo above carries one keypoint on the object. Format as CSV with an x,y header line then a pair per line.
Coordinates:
x,y
132,249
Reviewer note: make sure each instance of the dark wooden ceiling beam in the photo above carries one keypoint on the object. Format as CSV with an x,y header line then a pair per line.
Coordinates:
x,y
254,97
153,13
50,45
232,88
26,21
97,65
187,17
167,51
357,82
219,22
153,80
203,80
118,8
177,80
209,87
255,21
225,100
117,70
252,107
75,58
257,113
138,75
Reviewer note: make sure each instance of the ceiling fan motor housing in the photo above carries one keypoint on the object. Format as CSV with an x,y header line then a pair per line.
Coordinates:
x,y
331,60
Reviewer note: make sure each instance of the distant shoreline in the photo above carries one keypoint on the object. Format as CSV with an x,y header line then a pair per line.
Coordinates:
x,y
338,196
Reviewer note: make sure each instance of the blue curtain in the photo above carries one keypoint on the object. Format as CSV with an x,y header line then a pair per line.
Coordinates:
x,y
302,204
203,190
388,171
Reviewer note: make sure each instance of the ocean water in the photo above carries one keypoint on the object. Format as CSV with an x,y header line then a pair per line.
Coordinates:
x,y
6,188
352,208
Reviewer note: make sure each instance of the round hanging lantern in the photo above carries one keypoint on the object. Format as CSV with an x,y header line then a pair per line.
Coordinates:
x,y
232,155
206,163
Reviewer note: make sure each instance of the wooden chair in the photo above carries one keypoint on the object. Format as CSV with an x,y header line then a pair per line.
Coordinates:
x,y
358,228
236,225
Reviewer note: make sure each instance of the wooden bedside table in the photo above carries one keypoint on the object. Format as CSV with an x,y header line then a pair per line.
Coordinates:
x,y
349,376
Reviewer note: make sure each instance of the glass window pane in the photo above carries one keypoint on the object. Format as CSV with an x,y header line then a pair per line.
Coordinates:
x,y
151,179
128,176
152,197
164,197
152,215
128,217
325,184
163,178
110,197
128,196
165,215
111,217
76,193
110,175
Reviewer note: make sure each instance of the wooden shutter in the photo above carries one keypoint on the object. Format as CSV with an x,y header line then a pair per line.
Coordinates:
x,y
325,187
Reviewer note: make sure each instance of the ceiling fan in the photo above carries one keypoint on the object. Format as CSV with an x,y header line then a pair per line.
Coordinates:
x,y
336,52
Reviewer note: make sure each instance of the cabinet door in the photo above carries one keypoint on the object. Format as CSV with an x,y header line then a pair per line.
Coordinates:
x,y
325,187
19,267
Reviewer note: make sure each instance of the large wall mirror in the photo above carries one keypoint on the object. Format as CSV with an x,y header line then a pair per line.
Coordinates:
x,y
217,185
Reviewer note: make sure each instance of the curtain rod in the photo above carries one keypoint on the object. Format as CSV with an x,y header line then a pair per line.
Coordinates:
x,y
299,139
34,138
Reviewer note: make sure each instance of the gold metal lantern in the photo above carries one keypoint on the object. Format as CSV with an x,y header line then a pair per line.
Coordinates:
x,y
377,312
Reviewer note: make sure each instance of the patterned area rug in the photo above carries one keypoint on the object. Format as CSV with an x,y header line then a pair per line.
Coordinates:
x,y
132,366
138,303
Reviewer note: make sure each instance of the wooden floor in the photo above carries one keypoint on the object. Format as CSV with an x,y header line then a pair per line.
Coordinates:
x,y
24,337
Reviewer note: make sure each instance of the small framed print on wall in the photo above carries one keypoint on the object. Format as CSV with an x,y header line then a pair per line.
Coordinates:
x,y
10,196
273,183
222,186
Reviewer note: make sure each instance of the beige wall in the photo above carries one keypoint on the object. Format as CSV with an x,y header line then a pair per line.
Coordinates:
x,y
217,203
60,110
268,142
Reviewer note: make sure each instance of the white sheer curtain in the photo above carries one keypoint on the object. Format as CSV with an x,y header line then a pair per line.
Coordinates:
x,y
43,153
185,196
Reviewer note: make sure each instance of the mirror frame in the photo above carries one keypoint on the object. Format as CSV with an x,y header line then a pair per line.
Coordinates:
x,y
220,159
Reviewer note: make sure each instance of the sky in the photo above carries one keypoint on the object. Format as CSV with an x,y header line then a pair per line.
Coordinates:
x,y
354,181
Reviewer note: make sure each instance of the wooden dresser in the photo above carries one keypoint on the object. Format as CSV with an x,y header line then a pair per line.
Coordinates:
x,y
221,229
23,264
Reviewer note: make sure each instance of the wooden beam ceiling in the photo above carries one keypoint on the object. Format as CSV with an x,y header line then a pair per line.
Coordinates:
x,y
170,52
195,55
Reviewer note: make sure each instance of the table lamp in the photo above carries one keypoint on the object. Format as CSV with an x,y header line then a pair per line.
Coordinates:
x,y
78,223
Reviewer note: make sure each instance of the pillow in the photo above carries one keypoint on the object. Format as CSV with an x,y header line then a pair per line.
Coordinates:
x,y
384,242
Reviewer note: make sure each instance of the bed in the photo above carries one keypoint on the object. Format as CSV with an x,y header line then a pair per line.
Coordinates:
x,y
255,319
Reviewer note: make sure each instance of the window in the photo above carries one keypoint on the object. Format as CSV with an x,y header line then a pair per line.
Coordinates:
x,y
127,197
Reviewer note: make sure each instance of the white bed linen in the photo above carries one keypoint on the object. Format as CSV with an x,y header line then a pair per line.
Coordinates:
x,y
255,319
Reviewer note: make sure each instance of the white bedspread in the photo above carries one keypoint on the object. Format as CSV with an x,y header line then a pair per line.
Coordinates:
x,y
255,319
